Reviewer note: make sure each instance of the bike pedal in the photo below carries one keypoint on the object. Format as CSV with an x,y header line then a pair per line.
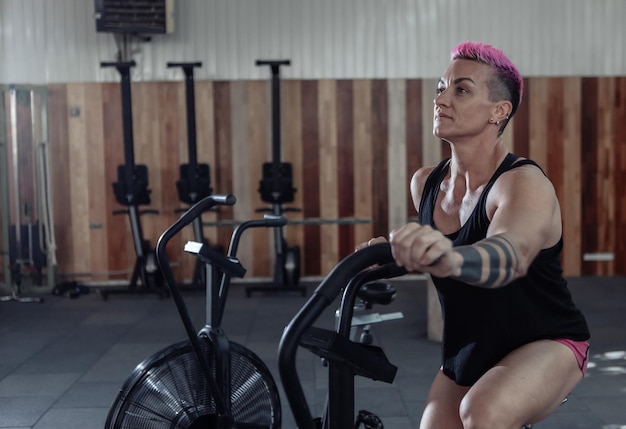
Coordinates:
x,y
368,420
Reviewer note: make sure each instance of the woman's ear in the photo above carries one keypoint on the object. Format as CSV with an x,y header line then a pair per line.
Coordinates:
x,y
502,111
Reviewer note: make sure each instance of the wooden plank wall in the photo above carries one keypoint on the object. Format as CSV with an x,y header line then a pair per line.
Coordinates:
x,y
353,144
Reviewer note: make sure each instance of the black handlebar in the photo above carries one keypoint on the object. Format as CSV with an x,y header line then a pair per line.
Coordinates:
x,y
268,221
321,298
228,264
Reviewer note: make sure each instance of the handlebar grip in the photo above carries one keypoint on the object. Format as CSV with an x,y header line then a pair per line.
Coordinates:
x,y
268,221
230,266
272,220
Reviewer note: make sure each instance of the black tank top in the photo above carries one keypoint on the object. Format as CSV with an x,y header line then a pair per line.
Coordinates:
x,y
481,326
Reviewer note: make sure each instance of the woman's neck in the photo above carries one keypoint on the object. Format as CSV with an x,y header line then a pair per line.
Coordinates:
x,y
476,164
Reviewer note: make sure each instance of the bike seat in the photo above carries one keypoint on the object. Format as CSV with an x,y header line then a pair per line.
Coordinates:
x,y
377,293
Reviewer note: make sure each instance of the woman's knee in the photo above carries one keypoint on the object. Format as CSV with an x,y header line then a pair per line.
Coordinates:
x,y
481,413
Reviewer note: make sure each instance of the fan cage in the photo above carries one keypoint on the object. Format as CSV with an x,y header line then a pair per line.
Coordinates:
x,y
169,391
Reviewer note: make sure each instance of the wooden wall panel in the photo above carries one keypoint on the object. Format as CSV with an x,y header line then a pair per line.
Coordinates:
x,y
222,175
120,247
590,196
243,139
362,161
328,173
397,185
345,163
538,122
354,145
379,191
415,126
259,149
552,141
570,196
145,104
310,168
292,151
619,175
206,147
93,153
170,136
79,190
605,168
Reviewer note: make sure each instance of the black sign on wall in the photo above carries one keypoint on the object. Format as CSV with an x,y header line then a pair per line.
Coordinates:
x,y
134,16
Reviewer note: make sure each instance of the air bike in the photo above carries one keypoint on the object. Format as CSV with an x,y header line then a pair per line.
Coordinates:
x,y
208,381
346,359
205,381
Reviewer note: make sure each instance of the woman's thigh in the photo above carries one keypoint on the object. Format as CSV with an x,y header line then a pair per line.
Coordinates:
x,y
525,387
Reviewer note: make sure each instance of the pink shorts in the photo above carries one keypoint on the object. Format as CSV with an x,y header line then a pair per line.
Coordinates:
x,y
580,350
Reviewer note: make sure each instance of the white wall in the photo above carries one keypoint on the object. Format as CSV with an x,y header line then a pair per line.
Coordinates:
x,y
45,41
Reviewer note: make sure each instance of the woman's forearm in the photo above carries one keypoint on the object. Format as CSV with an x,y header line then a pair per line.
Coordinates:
x,y
489,263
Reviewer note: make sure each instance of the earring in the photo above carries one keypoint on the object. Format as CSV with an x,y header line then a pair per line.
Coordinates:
x,y
507,118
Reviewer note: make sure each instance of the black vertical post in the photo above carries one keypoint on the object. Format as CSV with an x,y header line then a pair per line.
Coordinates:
x,y
127,121
190,104
276,111
276,130
190,100
194,180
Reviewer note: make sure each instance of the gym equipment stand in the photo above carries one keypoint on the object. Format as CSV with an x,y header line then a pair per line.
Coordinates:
x,y
276,188
195,178
12,260
131,190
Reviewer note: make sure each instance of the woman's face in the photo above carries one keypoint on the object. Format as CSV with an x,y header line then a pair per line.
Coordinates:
x,y
462,106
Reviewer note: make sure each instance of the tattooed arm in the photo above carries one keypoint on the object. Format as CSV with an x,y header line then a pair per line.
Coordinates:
x,y
489,263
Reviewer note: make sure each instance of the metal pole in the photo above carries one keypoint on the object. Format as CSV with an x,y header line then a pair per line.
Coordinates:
x,y
16,177
45,207
4,198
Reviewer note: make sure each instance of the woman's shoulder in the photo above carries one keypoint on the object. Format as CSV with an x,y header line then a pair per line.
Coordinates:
x,y
418,182
420,176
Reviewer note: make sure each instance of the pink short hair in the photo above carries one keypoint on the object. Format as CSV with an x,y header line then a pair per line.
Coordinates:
x,y
508,77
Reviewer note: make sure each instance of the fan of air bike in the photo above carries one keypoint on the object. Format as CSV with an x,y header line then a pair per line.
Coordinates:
x,y
169,390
